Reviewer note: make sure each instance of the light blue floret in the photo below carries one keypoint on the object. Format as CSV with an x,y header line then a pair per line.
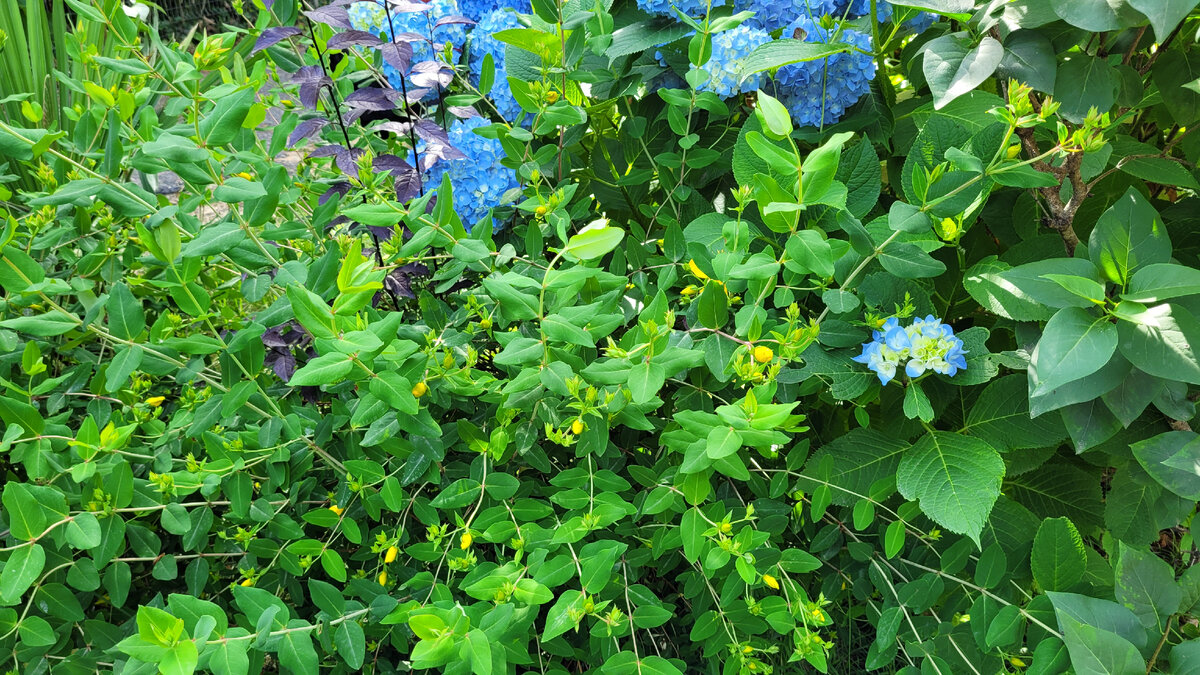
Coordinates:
x,y
818,93
475,10
926,345
483,43
696,8
771,15
724,68
480,180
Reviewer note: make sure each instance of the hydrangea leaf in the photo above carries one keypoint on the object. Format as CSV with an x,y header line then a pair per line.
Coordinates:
x,y
956,478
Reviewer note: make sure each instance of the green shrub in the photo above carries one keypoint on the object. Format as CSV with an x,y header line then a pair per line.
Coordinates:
x,y
882,362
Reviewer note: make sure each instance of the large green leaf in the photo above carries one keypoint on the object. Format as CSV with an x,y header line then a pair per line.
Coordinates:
x,y
954,67
1058,559
1164,15
956,478
1161,341
1172,459
1129,235
1074,344
1000,416
1146,584
1084,82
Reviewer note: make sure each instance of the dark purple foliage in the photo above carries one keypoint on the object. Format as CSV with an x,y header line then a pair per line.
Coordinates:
x,y
273,35
397,55
337,189
431,74
353,38
332,14
306,129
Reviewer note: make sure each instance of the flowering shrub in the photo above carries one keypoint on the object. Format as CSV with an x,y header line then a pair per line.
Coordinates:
x,y
590,341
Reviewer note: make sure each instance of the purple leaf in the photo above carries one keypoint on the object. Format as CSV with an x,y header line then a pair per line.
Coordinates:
x,y
284,365
273,35
391,163
453,19
306,129
308,74
431,74
353,38
338,189
397,55
309,93
373,98
428,131
409,37
399,281
408,185
331,15
325,151
463,112
352,116
403,6
347,160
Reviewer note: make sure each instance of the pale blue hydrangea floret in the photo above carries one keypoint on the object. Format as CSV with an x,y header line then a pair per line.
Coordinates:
x,y
480,180
724,68
771,15
926,345
883,12
817,93
482,43
475,10
371,17
696,8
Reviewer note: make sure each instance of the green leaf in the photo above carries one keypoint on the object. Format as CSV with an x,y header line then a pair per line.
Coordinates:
x,y
229,657
1129,235
1161,341
18,270
351,643
1095,651
1185,658
956,478
1162,281
295,650
1073,345
26,519
1000,416
786,51
712,307
126,319
594,243
83,532
596,562
1085,82
1164,15
327,369
237,189
312,312
908,261
396,391
1146,584
1175,74
722,441
1172,459
223,123
953,67
645,379
1095,15
1029,58
21,569
809,253
1058,558
214,239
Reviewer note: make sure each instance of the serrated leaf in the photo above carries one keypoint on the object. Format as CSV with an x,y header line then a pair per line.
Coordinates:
x,y
956,478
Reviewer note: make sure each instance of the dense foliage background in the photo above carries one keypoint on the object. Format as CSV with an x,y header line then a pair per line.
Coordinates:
x,y
601,336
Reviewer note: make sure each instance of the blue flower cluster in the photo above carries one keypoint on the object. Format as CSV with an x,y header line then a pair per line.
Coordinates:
x,y
928,344
724,68
475,10
371,17
483,43
770,15
818,93
883,12
479,180
696,8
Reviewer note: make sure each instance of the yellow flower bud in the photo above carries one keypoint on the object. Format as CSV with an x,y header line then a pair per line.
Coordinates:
x,y
336,509
420,389
763,354
771,581
726,528
244,174
485,323
695,269
551,96
1017,662
465,542
155,401
688,290
383,578
577,427
747,649
1014,151
247,582
542,210
390,556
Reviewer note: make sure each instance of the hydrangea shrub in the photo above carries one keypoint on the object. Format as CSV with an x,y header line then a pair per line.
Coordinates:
x,y
608,337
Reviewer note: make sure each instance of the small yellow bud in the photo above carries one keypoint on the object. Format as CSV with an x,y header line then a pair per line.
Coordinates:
x,y
485,323
577,427
1014,151
551,96
390,556
1017,662
763,354
688,290
747,649
336,509
465,542
695,269
420,389
383,578
771,581
155,401
726,528
542,210
244,174
247,582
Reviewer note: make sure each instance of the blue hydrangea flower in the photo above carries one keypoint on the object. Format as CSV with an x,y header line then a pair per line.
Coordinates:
x,y
482,43
770,15
479,180
371,17
883,13
475,10
818,93
724,68
926,345
696,8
